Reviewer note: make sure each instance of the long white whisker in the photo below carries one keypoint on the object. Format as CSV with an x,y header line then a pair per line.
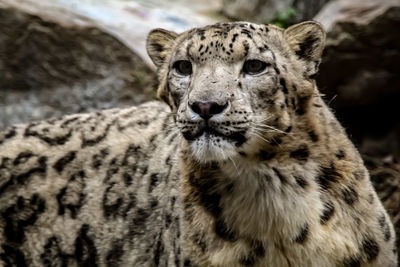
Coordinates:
x,y
269,127
175,131
259,136
267,118
233,162
276,142
263,130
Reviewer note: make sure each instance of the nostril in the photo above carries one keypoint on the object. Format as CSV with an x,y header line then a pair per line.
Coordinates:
x,y
196,107
207,109
217,108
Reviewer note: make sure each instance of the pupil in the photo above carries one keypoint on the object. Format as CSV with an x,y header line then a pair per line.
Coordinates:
x,y
254,66
185,67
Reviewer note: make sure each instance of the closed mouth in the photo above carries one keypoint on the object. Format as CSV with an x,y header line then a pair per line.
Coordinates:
x,y
238,137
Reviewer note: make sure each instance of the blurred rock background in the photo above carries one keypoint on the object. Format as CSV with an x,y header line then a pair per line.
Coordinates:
x,y
66,56
48,70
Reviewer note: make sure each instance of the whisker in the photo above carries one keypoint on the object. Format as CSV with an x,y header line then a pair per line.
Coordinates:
x,y
170,128
276,142
264,130
266,118
234,164
262,138
269,127
175,131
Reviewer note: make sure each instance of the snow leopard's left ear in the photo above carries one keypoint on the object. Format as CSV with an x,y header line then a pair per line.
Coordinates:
x,y
159,44
307,40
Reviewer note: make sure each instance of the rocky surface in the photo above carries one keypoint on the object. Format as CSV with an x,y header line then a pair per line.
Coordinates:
x,y
266,11
49,69
359,73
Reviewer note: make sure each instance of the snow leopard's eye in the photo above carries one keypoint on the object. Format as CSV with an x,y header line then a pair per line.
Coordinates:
x,y
254,66
183,67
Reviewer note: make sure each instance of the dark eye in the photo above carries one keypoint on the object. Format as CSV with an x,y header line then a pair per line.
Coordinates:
x,y
253,66
183,67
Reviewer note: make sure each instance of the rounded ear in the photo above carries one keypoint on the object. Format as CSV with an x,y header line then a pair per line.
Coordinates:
x,y
159,43
306,39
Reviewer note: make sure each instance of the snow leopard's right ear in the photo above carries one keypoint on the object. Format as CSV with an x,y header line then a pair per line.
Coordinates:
x,y
306,39
159,44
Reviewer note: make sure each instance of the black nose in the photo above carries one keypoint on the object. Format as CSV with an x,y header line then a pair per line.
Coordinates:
x,y
207,109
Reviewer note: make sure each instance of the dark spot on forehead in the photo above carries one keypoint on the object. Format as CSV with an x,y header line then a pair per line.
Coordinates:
x,y
246,47
247,33
234,37
262,48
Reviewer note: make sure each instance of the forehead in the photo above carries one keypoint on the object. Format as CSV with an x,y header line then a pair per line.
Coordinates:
x,y
225,29
225,41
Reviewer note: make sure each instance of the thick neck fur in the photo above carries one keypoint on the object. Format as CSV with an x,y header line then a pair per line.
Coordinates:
x,y
274,193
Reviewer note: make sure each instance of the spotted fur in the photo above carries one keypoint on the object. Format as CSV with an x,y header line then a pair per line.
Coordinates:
x,y
260,173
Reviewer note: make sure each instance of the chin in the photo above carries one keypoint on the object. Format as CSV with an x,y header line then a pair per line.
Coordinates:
x,y
208,147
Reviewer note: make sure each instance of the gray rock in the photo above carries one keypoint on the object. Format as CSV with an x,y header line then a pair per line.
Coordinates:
x,y
48,69
265,11
359,73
